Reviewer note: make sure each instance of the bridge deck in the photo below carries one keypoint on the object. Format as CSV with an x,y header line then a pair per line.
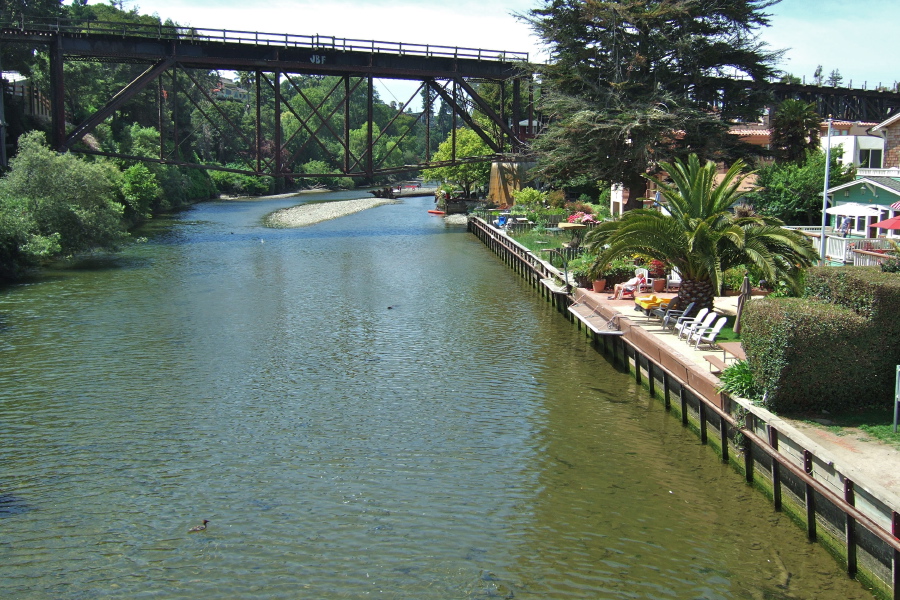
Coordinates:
x,y
248,50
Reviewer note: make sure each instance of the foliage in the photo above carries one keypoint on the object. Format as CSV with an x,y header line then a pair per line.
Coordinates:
x,y
579,206
625,76
556,198
795,130
56,204
466,175
580,269
321,168
141,192
529,198
618,270
792,191
238,184
835,349
700,236
733,278
737,381
891,265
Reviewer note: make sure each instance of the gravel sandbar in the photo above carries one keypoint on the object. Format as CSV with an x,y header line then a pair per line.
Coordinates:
x,y
310,214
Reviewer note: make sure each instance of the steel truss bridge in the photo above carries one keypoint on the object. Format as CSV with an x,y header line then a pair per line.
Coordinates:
x,y
449,73
844,104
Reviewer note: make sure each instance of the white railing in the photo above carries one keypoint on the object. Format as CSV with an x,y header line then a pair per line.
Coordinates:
x,y
817,229
891,172
841,248
863,258
256,38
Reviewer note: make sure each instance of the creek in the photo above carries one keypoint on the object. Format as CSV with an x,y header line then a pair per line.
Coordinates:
x,y
370,407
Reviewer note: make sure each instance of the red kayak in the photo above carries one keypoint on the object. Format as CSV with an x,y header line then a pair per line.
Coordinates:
x,y
436,212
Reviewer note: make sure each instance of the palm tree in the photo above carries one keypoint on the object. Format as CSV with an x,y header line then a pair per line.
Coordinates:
x,y
795,129
701,236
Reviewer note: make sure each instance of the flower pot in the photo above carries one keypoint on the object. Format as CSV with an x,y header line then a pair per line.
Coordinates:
x,y
659,285
599,285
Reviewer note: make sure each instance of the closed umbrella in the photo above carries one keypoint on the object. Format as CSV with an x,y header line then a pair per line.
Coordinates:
x,y
742,299
892,223
854,209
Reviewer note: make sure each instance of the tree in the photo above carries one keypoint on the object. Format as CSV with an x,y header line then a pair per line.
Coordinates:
x,y
792,191
701,236
64,200
817,75
466,175
632,83
835,78
795,129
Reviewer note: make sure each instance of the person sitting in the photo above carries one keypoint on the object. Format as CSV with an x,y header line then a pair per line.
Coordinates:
x,y
631,285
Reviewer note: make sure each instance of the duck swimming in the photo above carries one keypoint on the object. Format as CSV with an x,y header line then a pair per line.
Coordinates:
x,y
198,527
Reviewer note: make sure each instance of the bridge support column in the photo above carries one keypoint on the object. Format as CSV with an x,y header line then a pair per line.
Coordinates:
x,y
57,97
507,177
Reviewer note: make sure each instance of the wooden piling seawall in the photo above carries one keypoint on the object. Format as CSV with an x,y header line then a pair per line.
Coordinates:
x,y
850,520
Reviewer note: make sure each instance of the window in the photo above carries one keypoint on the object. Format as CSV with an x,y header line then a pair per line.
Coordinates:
x,y
870,159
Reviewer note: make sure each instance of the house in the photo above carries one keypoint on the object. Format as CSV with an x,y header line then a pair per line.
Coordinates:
x,y
859,146
890,131
874,196
229,90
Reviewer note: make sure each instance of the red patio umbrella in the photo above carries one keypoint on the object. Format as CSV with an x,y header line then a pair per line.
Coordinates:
x,y
892,223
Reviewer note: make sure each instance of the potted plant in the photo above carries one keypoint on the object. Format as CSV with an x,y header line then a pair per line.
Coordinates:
x,y
657,272
580,270
617,271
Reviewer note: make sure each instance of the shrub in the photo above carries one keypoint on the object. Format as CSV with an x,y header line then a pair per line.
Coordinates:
x,y
618,271
733,278
529,198
835,349
556,198
892,265
581,207
737,380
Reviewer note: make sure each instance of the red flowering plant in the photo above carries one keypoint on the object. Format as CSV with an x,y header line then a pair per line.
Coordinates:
x,y
657,268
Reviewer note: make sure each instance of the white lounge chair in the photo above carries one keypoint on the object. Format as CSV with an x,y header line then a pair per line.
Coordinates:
x,y
707,336
688,329
688,320
671,315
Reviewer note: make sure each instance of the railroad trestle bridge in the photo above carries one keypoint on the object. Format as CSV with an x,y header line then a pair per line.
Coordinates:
x,y
173,55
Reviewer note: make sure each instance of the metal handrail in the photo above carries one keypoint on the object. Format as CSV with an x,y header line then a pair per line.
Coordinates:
x,y
282,40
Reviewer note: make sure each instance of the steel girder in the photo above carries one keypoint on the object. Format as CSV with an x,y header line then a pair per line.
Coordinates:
x,y
447,75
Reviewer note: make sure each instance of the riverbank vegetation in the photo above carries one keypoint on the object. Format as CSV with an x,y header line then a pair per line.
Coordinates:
x,y
132,161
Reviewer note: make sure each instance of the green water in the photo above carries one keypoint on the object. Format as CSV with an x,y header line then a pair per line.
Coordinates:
x,y
372,407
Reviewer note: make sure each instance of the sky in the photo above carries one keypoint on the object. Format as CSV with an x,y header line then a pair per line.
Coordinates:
x,y
830,33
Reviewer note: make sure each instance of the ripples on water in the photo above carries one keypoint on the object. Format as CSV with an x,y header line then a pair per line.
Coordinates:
x,y
370,407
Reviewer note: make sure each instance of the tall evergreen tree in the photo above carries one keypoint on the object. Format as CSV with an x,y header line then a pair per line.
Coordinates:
x,y
634,82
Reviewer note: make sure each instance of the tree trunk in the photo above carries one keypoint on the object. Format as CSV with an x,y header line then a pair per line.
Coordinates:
x,y
700,292
636,187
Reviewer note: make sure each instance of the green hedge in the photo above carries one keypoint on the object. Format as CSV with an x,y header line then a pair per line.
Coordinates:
x,y
835,349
